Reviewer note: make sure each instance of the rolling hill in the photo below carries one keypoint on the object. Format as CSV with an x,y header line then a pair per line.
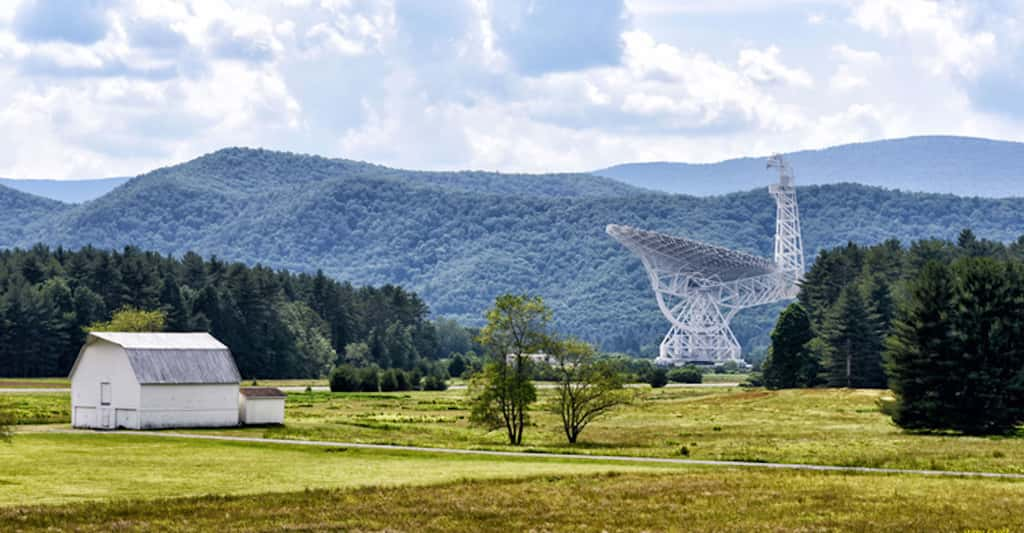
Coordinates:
x,y
955,165
69,191
461,238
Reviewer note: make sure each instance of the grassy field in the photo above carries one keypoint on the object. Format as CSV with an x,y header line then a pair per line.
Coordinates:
x,y
43,408
821,426
839,427
725,378
52,468
690,500
99,482
34,383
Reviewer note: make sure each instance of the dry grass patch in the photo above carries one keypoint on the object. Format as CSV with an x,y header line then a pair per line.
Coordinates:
x,y
695,500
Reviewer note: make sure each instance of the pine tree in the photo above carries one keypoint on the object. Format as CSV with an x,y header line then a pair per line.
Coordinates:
x,y
989,338
789,363
956,356
853,345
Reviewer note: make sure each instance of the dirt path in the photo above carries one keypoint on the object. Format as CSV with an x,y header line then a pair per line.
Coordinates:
x,y
570,457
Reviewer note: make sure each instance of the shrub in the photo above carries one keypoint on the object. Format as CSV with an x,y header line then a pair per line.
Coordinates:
x,y
658,377
344,379
686,374
368,379
389,380
403,380
753,380
457,365
434,382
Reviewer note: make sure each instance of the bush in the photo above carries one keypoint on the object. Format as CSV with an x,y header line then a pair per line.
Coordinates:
x,y
753,380
368,379
389,380
434,382
457,366
728,367
403,380
344,379
686,374
658,377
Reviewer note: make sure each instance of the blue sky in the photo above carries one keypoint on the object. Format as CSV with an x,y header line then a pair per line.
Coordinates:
x,y
96,88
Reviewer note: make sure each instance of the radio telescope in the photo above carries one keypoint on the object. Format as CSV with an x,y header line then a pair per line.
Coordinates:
x,y
700,287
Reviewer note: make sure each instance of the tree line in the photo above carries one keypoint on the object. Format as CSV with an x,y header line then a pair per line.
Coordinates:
x,y
941,323
278,324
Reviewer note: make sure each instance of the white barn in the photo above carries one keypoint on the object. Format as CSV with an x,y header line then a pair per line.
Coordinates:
x,y
154,380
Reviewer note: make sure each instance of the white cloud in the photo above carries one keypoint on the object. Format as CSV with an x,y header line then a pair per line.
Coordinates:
x,y
405,84
844,79
764,66
939,27
855,67
851,55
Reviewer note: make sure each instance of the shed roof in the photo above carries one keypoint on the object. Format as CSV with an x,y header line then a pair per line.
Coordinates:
x,y
262,392
173,358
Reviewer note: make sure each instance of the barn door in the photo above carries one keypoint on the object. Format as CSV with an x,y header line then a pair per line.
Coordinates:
x,y
106,412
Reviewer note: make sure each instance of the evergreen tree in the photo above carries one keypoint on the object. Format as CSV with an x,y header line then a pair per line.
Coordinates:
x,y
789,363
956,355
920,356
854,347
989,339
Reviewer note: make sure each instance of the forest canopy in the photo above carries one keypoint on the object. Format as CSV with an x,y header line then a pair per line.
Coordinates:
x,y
276,323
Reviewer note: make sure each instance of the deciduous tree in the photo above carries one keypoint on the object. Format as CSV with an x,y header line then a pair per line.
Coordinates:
x,y
517,326
132,319
587,387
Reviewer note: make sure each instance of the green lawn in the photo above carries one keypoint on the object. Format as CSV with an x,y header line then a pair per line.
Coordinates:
x,y
41,408
820,426
34,383
725,378
690,500
49,468
100,482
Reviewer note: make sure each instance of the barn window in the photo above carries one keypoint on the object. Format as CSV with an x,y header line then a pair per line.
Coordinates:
x,y
104,393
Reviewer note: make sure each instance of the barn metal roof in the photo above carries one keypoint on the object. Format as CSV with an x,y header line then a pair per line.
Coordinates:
x,y
687,256
161,341
174,358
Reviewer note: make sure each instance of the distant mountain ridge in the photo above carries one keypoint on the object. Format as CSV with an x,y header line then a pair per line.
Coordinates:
x,y
964,166
461,238
68,191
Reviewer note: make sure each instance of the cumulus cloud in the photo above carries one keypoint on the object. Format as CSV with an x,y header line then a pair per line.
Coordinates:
x,y
764,66
941,27
534,85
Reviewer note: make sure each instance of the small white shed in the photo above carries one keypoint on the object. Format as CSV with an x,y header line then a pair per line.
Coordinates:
x,y
261,405
153,380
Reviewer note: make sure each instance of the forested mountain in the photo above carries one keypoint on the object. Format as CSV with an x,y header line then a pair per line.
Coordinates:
x,y
460,239
21,212
69,191
955,165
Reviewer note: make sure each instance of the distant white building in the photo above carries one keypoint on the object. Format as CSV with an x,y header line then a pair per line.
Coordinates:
x,y
261,405
154,380
539,357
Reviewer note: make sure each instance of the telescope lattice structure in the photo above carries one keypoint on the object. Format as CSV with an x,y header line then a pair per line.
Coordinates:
x,y
700,287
